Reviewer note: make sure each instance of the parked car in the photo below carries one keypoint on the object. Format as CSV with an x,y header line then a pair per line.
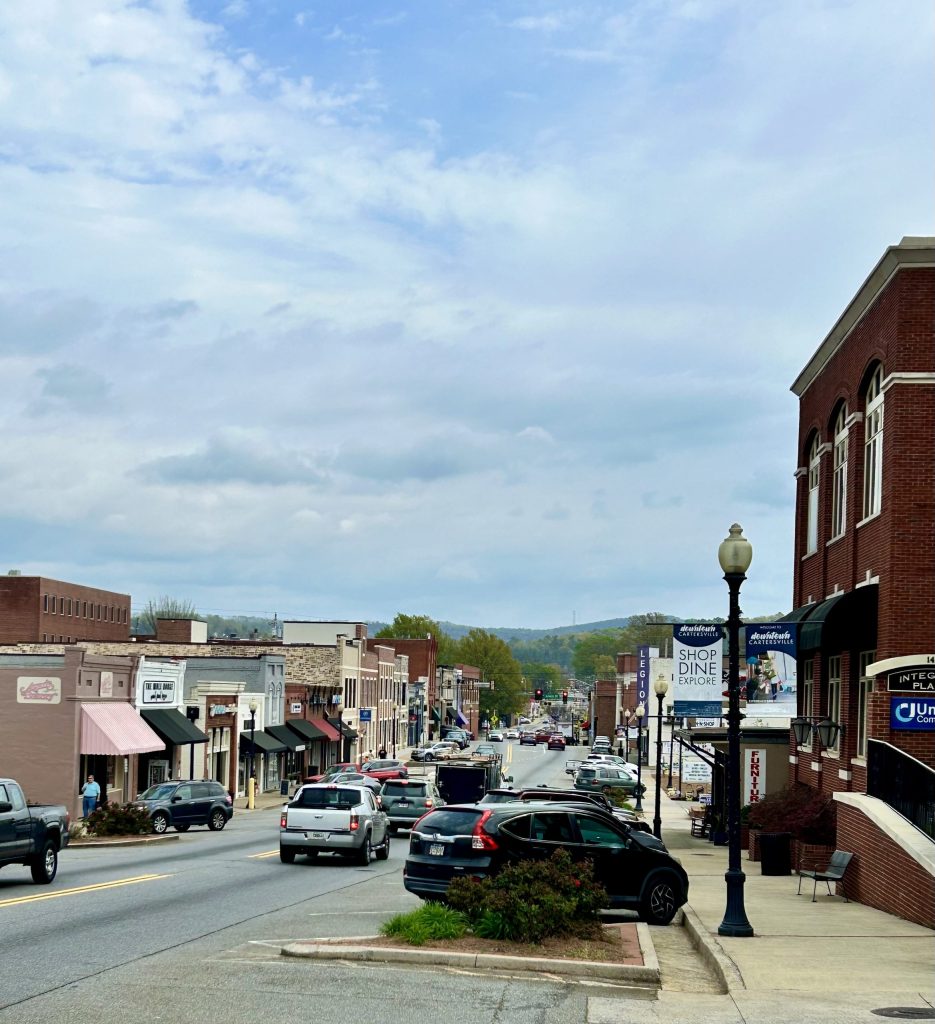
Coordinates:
x,y
601,748
385,769
441,751
495,737
331,818
605,780
556,741
457,841
406,800
458,736
418,753
186,802
31,835
331,771
512,734
522,720
485,749
358,779
526,737
612,759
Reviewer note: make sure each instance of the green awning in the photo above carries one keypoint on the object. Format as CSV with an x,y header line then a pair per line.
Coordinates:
x,y
172,726
798,614
305,729
289,739
264,744
346,731
810,638
436,717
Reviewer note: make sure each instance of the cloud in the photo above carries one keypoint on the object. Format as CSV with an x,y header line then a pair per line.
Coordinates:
x,y
75,386
43,321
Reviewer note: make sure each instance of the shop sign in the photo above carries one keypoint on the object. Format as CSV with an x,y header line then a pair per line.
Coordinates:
x,y
695,771
295,708
107,684
754,775
38,690
913,680
219,710
917,713
697,685
159,691
366,714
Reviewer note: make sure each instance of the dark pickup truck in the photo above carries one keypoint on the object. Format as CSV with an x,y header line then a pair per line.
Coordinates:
x,y
31,835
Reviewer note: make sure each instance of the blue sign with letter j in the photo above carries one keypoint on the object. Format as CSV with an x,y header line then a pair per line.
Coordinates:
x,y
912,713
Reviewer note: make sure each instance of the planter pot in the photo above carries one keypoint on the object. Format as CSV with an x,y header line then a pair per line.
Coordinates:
x,y
754,847
745,837
719,838
811,856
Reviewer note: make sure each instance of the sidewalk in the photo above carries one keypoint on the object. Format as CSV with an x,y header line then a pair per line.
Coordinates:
x,y
825,949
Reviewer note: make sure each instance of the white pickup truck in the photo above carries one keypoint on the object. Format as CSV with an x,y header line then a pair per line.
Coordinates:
x,y
333,818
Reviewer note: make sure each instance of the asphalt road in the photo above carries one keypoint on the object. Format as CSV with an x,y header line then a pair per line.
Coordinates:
x,y
137,930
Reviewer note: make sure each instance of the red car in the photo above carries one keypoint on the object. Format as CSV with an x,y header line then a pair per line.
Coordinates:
x,y
556,741
332,770
543,735
383,770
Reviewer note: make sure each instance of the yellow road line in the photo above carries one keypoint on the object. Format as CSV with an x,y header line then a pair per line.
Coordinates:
x,y
257,856
84,888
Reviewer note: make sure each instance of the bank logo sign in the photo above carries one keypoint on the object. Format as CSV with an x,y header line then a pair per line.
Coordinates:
x,y
916,713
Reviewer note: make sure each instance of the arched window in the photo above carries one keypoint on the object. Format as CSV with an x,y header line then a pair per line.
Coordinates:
x,y
873,445
811,534
839,491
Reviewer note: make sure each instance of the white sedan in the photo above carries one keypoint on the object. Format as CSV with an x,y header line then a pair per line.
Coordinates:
x,y
496,737
512,734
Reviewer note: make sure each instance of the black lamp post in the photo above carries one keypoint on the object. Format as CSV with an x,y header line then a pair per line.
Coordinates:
x,y
735,555
251,773
626,731
640,712
661,686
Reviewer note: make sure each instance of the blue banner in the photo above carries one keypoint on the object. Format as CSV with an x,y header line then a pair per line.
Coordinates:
x,y
762,637
916,713
642,674
771,667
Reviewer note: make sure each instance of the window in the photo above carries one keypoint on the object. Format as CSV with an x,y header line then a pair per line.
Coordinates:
x,y
69,606
45,602
53,604
814,462
808,688
552,827
839,496
864,689
84,608
598,832
833,710
873,445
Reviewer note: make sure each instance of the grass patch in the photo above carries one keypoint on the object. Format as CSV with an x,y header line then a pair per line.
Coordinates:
x,y
427,924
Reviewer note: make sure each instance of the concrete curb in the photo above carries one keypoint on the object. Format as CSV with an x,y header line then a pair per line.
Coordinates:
x,y
341,949
712,952
82,844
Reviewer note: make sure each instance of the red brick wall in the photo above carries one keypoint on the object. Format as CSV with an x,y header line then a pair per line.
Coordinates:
x,y
882,874
81,613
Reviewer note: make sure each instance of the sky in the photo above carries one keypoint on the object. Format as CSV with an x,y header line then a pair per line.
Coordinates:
x,y
486,311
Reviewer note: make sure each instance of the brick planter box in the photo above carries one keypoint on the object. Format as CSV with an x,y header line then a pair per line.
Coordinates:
x,y
754,847
810,856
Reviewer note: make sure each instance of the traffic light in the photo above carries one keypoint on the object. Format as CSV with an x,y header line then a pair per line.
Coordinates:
x,y
539,694
564,696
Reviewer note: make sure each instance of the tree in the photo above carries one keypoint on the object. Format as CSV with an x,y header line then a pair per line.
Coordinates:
x,y
419,627
593,650
165,608
549,677
496,662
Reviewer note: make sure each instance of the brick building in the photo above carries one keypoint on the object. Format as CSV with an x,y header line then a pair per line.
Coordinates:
x,y
864,575
34,609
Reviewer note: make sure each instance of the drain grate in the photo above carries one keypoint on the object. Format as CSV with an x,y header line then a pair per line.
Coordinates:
x,y
907,1012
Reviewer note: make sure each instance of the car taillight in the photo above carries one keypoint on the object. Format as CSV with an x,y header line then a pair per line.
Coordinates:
x,y
430,803
479,838
282,821
67,820
228,799
355,821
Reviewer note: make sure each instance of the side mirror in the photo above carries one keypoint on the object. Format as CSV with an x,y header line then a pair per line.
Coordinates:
x,y
5,807
507,778
175,799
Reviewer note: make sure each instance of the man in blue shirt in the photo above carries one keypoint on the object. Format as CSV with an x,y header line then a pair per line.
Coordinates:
x,y
90,793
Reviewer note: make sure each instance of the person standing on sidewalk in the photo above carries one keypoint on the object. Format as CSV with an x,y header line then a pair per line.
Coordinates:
x,y
90,794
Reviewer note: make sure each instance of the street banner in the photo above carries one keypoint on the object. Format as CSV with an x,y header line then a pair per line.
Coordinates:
x,y
771,667
697,683
754,775
642,675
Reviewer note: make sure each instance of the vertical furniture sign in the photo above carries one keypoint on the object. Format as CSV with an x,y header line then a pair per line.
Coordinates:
x,y
754,775
697,683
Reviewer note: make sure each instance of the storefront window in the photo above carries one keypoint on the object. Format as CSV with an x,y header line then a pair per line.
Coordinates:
x,y
833,710
864,689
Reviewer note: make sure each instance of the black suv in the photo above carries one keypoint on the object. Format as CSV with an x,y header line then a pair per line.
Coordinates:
x,y
183,804
570,796
463,841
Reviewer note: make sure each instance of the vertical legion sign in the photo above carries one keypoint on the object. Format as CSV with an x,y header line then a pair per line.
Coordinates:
x,y
697,683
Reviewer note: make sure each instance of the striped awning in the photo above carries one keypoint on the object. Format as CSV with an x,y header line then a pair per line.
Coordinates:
x,y
115,729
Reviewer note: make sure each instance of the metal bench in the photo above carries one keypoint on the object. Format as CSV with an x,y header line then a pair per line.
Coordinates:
x,y
834,872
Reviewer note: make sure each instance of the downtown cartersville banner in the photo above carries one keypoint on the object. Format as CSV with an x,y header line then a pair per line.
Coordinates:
x,y
697,684
771,667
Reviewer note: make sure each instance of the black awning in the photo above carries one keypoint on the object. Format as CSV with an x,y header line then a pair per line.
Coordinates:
x,y
346,731
436,717
798,614
289,739
841,621
305,729
172,726
810,638
264,744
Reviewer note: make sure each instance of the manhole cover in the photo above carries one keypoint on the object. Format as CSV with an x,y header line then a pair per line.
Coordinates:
x,y
907,1012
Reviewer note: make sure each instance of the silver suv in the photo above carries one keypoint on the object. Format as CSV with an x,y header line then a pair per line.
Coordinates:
x,y
406,800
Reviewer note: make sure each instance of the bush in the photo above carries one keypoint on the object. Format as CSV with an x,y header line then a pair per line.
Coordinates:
x,y
531,900
428,923
118,820
805,812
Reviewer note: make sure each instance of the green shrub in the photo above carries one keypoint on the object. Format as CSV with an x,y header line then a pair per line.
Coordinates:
x,y
531,900
115,819
426,924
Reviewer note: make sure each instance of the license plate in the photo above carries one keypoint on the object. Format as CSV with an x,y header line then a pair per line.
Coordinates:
x,y
403,803
436,850
314,835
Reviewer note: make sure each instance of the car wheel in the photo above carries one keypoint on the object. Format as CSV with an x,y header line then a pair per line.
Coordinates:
x,y
286,855
182,828
384,851
160,823
661,899
217,821
45,864
364,854
429,757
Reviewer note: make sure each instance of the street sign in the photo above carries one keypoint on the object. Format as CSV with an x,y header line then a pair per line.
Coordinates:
x,y
366,714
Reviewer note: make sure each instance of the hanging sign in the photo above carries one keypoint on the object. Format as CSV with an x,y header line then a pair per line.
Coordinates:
x,y
754,775
697,683
771,665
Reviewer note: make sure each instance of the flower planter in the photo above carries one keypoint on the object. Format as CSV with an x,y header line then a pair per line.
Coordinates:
x,y
754,847
810,856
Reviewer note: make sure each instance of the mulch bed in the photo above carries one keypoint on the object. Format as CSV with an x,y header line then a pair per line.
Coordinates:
x,y
617,943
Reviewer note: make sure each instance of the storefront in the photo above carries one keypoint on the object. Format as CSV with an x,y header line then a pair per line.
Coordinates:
x,y
264,751
314,758
291,758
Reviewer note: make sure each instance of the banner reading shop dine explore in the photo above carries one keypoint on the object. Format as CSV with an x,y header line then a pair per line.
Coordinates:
x,y
697,683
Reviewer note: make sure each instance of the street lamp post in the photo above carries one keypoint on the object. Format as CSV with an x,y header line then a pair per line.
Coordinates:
x,y
251,781
395,726
735,555
661,687
626,731
640,712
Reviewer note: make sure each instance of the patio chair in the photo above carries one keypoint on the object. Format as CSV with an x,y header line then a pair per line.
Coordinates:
x,y
834,872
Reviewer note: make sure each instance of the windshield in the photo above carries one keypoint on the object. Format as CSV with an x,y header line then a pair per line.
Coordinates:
x,y
399,789
587,773
162,792
454,822
339,799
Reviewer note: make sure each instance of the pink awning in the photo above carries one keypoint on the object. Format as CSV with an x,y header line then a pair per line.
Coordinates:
x,y
116,729
329,730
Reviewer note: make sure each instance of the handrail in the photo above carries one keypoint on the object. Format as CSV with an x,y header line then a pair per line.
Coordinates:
x,y
903,782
